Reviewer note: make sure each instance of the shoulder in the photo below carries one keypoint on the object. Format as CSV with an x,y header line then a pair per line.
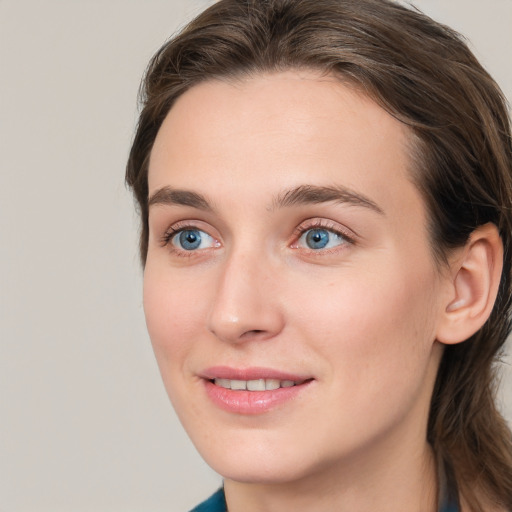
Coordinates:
x,y
215,503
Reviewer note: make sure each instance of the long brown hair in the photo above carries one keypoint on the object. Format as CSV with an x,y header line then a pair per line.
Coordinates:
x,y
422,73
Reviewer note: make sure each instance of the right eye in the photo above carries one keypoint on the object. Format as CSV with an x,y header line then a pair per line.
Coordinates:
x,y
192,239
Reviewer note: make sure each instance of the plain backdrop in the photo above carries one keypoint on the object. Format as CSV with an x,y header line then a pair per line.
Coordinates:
x,y
85,424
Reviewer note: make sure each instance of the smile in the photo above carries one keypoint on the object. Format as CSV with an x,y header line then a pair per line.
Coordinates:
x,y
255,385
254,390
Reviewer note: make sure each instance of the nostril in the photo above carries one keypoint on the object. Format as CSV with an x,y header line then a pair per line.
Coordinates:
x,y
252,333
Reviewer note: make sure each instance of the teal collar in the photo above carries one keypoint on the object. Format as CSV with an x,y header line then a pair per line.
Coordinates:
x,y
448,491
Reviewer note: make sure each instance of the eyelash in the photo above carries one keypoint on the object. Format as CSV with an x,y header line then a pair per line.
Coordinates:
x,y
346,235
173,231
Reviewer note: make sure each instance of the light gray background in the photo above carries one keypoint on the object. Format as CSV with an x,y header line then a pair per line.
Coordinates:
x,y
85,424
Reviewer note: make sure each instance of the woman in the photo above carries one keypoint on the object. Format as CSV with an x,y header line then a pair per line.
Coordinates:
x,y
325,193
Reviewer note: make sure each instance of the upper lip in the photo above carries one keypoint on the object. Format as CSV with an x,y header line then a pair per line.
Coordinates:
x,y
252,373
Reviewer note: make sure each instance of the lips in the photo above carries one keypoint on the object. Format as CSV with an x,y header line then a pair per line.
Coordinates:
x,y
252,390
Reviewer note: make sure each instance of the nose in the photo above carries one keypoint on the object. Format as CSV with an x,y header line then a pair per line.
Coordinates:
x,y
246,304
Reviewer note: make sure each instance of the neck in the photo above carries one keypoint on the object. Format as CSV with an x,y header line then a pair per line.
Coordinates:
x,y
405,481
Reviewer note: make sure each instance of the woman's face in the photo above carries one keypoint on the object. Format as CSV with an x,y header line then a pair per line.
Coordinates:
x,y
288,254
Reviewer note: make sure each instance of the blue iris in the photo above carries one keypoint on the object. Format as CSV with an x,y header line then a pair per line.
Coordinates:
x,y
317,238
190,239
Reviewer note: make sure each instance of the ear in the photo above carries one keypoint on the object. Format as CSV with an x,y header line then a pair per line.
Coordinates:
x,y
474,280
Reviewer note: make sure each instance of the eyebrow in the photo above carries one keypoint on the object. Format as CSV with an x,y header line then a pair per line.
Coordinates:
x,y
170,197
300,195
312,194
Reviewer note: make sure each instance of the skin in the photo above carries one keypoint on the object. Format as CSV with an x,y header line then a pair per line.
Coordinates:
x,y
360,317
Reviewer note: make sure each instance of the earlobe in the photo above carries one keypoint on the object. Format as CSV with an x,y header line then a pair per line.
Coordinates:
x,y
474,282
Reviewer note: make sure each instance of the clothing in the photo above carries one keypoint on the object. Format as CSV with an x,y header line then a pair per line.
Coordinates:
x,y
448,491
448,496
215,503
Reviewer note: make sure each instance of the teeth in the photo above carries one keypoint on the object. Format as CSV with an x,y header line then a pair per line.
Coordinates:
x,y
254,385
238,385
272,384
223,383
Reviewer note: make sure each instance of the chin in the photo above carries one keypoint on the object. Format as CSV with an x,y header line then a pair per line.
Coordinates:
x,y
263,460
268,472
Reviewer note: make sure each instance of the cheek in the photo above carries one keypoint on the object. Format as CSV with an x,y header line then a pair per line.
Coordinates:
x,y
376,334
377,326
171,311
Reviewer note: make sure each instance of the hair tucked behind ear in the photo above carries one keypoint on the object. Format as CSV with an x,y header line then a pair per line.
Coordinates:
x,y
423,74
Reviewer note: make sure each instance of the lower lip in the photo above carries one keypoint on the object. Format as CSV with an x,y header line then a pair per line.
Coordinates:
x,y
251,402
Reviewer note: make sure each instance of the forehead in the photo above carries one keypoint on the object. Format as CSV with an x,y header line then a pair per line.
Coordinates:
x,y
282,130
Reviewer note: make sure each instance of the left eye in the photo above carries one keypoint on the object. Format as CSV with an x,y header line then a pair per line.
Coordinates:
x,y
320,238
192,239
